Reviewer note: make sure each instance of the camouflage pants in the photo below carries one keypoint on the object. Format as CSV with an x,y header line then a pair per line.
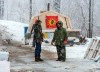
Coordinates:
x,y
33,43
61,52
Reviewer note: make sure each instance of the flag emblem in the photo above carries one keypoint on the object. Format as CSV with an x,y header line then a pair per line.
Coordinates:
x,y
51,21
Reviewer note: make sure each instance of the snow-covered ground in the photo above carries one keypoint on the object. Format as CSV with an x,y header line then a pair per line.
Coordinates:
x,y
76,51
4,56
23,59
4,63
4,66
15,29
24,62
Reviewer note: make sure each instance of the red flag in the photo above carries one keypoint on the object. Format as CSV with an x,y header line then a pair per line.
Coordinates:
x,y
51,21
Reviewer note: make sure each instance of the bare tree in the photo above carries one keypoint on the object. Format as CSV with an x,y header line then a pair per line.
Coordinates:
x,y
1,9
5,36
84,17
57,5
30,9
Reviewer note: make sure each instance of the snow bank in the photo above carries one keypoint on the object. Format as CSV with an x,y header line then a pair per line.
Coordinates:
x,y
4,66
77,51
4,56
16,29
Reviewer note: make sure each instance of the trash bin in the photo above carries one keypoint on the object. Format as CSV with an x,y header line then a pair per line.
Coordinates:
x,y
25,30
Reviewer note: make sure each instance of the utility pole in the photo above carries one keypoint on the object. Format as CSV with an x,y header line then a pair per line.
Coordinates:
x,y
48,7
90,18
30,9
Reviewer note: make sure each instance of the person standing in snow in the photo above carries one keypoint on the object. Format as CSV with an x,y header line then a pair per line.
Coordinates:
x,y
37,38
60,38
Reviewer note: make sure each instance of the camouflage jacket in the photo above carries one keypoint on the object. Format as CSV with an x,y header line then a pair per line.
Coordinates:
x,y
59,36
37,32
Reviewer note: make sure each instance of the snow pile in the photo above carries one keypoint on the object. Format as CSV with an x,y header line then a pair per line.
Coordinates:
x,y
14,29
4,66
4,56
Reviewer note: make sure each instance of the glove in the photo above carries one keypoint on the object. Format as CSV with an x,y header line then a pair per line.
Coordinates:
x,y
65,42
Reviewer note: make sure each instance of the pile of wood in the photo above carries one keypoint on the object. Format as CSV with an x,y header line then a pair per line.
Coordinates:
x,y
93,50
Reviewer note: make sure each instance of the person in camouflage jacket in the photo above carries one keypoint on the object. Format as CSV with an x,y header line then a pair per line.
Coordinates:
x,y
60,38
37,39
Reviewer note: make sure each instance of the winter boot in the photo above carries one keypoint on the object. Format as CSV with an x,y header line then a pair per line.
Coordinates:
x,y
63,60
40,59
36,59
59,59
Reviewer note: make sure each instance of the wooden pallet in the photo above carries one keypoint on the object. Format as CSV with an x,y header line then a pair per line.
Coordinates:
x,y
88,50
97,50
93,50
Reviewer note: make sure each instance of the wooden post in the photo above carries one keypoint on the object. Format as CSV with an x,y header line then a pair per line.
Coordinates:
x,y
30,9
90,18
48,7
